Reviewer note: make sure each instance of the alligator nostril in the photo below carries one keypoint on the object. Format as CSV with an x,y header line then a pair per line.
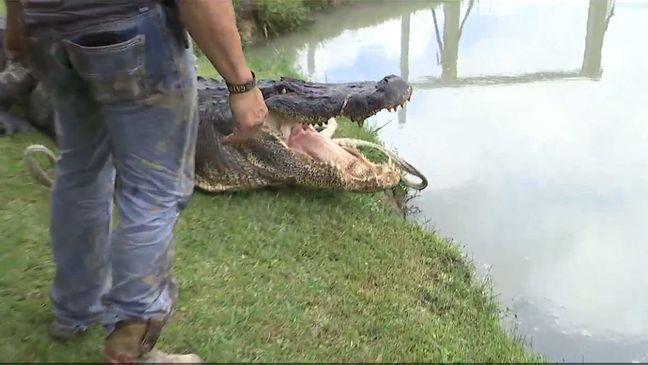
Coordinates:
x,y
389,78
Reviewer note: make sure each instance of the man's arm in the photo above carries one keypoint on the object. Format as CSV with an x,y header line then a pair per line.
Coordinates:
x,y
13,36
212,24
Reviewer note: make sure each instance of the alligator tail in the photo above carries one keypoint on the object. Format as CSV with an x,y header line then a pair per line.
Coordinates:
x,y
33,168
403,165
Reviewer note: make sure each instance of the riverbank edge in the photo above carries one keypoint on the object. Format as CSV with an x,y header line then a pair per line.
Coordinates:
x,y
272,275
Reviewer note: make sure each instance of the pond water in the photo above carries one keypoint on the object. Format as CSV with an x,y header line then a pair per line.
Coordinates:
x,y
530,119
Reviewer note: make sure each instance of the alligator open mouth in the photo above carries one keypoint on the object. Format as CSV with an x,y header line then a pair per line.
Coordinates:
x,y
319,146
305,139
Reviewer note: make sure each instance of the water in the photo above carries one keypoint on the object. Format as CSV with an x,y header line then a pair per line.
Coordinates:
x,y
538,162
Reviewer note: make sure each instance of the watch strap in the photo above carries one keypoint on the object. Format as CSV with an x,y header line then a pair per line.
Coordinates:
x,y
242,88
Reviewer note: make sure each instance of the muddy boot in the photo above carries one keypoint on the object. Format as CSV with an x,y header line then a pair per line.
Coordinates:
x,y
133,341
60,332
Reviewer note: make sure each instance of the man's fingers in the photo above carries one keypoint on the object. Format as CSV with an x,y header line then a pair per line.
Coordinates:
x,y
233,137
239,136
236,138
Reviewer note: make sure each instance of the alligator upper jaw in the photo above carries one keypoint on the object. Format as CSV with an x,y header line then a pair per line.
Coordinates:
x,y
315,103
387,94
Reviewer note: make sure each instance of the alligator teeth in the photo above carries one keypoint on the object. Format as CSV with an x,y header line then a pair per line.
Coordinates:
x,y
283,90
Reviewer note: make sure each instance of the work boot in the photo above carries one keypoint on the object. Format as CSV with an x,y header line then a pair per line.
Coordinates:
x,y
133,341
60,332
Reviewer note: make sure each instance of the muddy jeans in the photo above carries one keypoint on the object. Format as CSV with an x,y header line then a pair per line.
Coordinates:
x,y
124,94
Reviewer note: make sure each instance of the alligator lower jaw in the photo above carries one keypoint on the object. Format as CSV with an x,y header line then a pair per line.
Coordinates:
x,y
354,168
304,139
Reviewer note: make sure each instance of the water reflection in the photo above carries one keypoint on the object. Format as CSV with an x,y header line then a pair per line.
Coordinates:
x,y
600,12
404,59
598,19
545,183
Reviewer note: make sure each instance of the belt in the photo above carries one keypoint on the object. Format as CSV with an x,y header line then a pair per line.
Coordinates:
x,y
45,5
52,17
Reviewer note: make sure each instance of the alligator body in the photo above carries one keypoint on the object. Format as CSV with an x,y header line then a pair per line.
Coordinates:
x,y
288,151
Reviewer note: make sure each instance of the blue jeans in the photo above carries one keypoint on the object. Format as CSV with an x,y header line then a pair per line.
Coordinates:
x,y
124,95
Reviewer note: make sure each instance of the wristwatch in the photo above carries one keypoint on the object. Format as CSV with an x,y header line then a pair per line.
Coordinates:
x,y
242,88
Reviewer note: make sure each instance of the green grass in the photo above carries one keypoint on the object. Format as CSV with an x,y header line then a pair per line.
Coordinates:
x,y
271,275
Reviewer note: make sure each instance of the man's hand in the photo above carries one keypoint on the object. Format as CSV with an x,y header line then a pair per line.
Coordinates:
x,y
248,111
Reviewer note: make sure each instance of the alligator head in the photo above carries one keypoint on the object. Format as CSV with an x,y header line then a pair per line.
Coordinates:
x,y
289,150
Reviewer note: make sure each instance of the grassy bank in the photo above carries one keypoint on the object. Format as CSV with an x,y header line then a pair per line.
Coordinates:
x,y
271,275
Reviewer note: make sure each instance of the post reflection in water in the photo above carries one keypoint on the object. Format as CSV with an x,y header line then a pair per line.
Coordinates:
x,y
600,12
598,19
536,160
404,60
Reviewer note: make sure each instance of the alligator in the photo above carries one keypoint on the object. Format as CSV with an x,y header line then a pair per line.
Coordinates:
x,y
295,146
